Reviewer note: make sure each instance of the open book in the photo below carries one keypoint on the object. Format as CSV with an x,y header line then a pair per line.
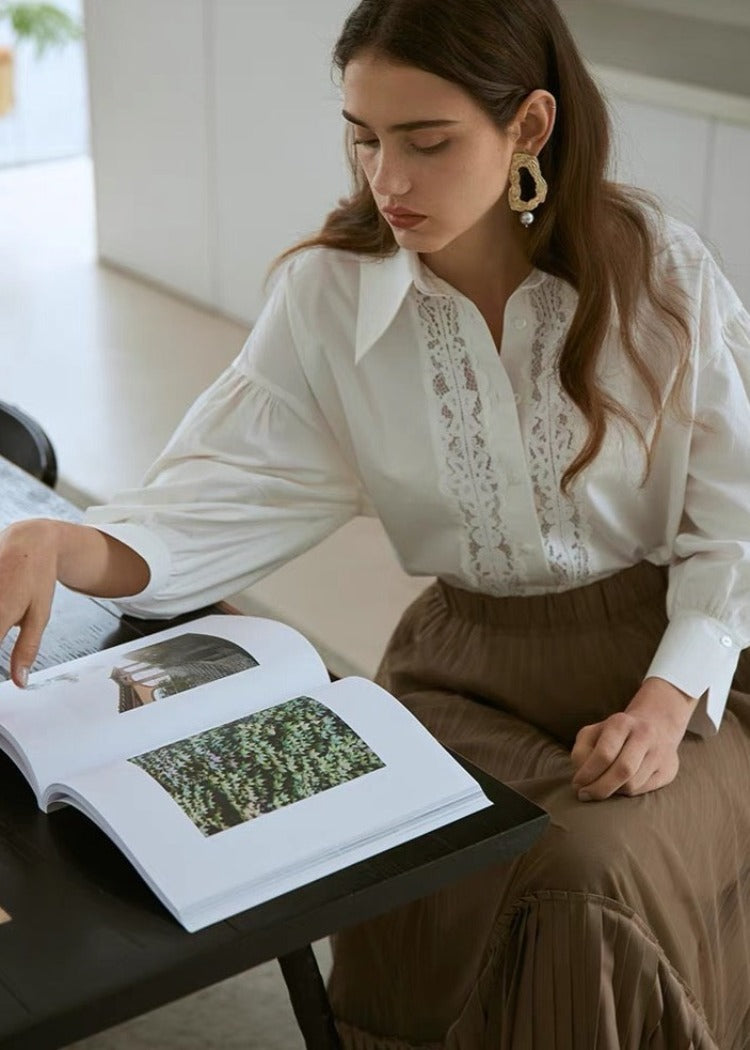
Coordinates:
x,y
226,766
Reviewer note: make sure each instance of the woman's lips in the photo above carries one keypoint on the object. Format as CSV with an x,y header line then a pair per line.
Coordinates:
x,y
403,220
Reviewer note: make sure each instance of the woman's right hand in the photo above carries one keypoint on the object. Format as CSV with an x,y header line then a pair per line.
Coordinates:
x,y
34,555
28,573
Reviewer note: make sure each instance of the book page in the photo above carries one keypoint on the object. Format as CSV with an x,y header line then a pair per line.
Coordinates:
x,y
245,811
152,691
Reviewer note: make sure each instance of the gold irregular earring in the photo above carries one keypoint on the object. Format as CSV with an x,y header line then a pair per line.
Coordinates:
x,y
517,203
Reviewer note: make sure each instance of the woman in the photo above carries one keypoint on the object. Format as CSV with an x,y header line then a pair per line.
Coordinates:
x,y
541,387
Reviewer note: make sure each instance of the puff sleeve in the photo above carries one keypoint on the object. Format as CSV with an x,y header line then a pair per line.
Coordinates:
x,y
251,478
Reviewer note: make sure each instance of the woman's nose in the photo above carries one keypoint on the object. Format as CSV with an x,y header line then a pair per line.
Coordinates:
x,y
390,178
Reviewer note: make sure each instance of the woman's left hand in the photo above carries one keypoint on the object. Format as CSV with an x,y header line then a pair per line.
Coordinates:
x,y
635,750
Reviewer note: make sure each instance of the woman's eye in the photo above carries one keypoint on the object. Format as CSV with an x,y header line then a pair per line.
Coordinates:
x,y
374,143
431,149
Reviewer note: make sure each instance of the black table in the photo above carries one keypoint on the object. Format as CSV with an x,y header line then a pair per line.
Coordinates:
x,y
88,945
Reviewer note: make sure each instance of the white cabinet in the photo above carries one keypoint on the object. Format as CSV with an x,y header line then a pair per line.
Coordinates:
x,y
728,222
699,169
155,205
664,151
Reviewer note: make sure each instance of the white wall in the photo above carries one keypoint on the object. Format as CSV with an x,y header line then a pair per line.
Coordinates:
x,y
278,145
150,140
216,136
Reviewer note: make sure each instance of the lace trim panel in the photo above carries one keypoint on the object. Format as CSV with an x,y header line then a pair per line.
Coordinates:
x,y
468,476
555,432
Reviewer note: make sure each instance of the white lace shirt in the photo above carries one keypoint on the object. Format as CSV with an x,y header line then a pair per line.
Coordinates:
x,y
372,387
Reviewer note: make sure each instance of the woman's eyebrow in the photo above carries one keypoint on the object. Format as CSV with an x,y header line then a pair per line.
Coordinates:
x,y
412,125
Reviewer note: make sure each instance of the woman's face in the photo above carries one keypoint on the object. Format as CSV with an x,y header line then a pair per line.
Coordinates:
x,y
436,163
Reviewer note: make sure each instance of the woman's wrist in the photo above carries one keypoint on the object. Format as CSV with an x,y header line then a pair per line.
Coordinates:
x,y
83,558
37,531
658,699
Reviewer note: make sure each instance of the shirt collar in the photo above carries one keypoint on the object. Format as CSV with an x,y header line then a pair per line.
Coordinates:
x,y
384,284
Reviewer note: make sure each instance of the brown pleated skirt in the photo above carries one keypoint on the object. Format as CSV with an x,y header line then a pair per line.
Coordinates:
x,y
628,924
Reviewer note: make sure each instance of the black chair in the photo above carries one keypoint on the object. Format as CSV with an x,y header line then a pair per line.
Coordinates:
x,y
24,443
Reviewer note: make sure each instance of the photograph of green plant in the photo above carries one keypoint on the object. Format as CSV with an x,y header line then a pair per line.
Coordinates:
x,y
154,672
238,771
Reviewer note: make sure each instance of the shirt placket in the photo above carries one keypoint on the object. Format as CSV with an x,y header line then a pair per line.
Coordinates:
x,y
504,437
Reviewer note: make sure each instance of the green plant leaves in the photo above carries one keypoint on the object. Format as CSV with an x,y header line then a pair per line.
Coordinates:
x,y
44,25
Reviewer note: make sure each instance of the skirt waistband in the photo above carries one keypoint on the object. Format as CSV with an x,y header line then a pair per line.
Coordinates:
x,y
611,598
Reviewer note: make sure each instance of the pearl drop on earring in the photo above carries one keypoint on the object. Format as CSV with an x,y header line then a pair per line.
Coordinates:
x,y
527,218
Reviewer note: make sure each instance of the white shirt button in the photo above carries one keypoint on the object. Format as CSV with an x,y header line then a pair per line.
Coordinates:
x,y
514,478
527,548
517,398
520,323
726,640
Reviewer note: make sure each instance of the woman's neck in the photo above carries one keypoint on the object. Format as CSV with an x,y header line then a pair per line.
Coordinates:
x,y
487,261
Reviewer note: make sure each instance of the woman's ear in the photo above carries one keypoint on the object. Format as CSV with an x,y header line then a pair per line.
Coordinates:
x,y
535,120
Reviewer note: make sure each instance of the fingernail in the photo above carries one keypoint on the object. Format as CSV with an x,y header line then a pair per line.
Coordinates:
x,y
583,796
23,677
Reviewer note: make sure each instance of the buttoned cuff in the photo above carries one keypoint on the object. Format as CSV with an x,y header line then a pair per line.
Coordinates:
x,y
151,548
699,656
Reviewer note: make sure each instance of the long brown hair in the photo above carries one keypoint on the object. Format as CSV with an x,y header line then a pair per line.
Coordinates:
x,y
598,235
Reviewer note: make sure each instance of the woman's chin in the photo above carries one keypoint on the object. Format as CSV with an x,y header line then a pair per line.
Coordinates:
x,y
419,240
